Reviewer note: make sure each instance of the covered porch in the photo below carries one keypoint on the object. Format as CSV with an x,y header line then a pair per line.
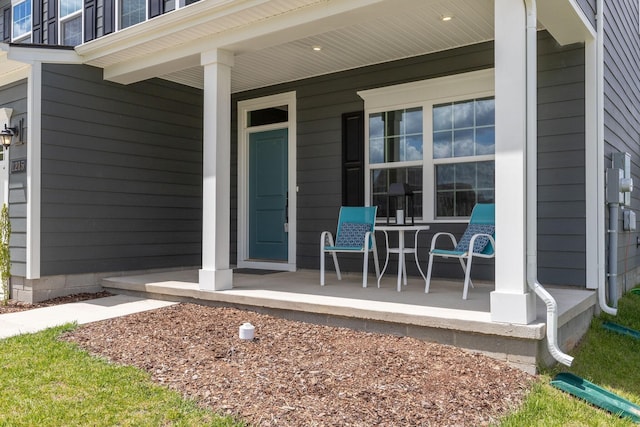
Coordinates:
x,y
232,48
441,315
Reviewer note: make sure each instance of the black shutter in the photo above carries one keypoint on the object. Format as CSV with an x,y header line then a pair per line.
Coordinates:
x,y
6,36
109,16
89,20
52,22
353,159
155,8
36,22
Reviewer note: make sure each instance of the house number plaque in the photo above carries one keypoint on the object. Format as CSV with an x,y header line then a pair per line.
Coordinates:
x,y
18,166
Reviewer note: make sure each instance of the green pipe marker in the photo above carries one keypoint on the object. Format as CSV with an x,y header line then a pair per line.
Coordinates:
x,y
596,396
614,327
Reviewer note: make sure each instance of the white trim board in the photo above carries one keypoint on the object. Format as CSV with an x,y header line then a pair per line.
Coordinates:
x,y
289,99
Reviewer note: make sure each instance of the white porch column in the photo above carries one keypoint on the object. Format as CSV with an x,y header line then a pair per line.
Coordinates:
x,y
215,274
511,302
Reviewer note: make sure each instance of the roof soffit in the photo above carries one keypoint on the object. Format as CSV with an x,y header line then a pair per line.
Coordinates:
x,y
272,40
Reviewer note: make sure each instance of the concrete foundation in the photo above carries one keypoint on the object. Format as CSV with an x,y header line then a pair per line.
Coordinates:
x,y
440,316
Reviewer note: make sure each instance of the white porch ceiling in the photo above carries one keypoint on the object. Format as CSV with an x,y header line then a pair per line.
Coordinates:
x,y
402,34
272,39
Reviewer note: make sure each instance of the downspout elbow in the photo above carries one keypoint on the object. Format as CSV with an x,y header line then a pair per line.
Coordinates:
x,y
552,323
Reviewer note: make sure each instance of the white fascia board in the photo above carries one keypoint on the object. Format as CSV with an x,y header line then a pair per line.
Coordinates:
x,y
29,55
163,25
565,20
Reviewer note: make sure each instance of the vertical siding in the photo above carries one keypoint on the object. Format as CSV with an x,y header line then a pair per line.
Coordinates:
x,y
622,106
561,163
121,173
15,96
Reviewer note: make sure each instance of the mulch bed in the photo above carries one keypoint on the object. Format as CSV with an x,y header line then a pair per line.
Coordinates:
x,y
299,374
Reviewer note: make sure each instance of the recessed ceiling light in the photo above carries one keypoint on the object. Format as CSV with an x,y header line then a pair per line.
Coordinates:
x,y
446,18
316,48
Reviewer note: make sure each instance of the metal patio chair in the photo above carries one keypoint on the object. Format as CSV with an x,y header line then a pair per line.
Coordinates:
x,y
354,234
478,241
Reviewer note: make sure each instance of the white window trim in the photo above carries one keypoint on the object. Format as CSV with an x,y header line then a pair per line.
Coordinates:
x,y
63,19
26,35
425,94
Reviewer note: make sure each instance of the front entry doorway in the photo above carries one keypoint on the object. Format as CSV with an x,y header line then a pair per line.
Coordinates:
x,y
268,187
266,183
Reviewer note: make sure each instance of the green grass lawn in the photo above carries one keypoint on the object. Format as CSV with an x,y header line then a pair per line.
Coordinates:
x,y
605,358
46,382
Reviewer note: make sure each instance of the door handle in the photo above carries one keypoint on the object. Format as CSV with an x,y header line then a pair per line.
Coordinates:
x,y
286,213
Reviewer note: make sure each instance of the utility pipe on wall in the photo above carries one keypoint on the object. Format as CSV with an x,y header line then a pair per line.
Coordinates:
x,y
602,299
614,212
532,186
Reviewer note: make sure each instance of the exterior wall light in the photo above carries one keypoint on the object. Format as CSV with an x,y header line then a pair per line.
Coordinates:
x,y
7,134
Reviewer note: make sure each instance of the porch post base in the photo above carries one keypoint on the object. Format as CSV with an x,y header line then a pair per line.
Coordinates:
x,y
215,280
513,307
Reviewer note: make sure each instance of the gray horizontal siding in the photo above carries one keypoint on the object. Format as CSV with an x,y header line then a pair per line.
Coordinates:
x,y
622,107
561,163
15,96
121,173
321,101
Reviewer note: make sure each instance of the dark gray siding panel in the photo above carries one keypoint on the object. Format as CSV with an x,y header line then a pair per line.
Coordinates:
x,y
622,107
561,163
15,96
321,102
121,173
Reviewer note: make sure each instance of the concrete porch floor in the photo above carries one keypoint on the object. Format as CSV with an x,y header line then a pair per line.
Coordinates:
x,y
441,315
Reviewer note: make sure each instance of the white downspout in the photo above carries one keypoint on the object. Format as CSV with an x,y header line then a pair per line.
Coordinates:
x,y
602,281
532,188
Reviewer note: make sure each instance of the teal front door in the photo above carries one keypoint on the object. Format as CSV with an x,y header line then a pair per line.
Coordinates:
x,y
268,184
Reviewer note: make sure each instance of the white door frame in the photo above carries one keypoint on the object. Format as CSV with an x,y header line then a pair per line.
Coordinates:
x,y
244,107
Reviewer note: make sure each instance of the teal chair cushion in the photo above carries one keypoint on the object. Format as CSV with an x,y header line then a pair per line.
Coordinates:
x,y
351,234
481,242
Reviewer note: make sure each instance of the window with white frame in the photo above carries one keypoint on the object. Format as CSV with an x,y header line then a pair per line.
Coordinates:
x,y
437,136
132,12
395,154
21,21
463,155
70,22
